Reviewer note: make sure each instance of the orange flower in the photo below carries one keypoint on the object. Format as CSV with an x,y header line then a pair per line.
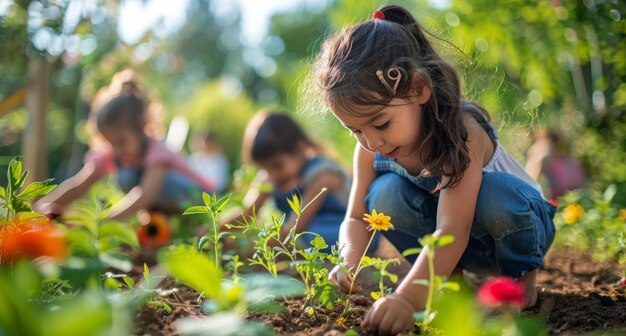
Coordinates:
x,y
156,232
341,321
622,214
573,213
31,240
378,221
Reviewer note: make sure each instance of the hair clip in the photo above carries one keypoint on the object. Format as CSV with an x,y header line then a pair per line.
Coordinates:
x,y
378,15
393,74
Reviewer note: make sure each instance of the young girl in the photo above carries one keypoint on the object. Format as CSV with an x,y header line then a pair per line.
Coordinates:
x,y
430,160
293,166
153,177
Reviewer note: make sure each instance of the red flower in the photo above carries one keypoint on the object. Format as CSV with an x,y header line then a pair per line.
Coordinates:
x,y
502,291
554,202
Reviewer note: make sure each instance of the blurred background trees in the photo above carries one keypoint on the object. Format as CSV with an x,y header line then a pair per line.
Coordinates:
x,y
558,63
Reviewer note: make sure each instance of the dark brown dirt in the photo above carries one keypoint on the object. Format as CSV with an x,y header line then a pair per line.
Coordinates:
x,y
579,295
576,296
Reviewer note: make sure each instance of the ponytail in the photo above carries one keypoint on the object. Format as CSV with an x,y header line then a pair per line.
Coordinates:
x,y
403,17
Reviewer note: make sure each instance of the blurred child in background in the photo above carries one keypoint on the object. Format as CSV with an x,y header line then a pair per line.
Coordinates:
x,y
550,156
293,165
152,177
209,161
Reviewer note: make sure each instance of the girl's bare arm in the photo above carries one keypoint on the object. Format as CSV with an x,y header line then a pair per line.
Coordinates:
x,y
142,196
69,190
353,234
455,214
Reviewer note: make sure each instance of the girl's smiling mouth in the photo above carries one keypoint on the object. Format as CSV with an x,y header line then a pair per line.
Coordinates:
x,y
392,154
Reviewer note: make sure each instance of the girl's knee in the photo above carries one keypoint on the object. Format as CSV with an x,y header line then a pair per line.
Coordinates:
x,y
412,209
518,221
393,194
505,205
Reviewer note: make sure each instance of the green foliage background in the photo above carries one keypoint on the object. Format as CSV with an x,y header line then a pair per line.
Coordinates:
x,y
531,63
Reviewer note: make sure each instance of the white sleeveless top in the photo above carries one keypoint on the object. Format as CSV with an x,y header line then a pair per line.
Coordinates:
x,y
503,162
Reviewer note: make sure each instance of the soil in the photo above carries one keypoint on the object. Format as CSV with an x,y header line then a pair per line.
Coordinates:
x,y
577,295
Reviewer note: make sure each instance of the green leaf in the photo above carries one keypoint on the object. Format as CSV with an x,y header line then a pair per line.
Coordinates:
x,y
14,173
319,243
203,241
444,240
294,203
269,307
225,234
609,193
325,293
411,251
367,261
36,190
193,269
112,283
222,324
217,208
266,188
116,262
260,287
80,242
375,295
3,193
160,305
20,205
208,200
451,285
130,283
87,314
120,232
392,277
196,210
146,272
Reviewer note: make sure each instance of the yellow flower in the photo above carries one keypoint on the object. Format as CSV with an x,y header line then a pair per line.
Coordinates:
x,y
378,221
622,214
341,321
572,213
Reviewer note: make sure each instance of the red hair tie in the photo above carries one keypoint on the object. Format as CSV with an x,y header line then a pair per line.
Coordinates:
x,y
378,15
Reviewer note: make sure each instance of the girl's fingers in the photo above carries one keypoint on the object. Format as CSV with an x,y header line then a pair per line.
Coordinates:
x,y
398,327
374,317
386,324
366,320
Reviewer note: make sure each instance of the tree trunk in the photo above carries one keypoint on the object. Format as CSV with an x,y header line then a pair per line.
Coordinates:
x,y
35,135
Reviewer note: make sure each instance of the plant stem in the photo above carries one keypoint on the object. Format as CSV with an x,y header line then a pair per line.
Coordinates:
x,y
356,273
431,285
216,243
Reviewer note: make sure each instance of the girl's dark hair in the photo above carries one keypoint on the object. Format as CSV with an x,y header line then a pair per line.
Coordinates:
x,y
275,133
345,72
123,110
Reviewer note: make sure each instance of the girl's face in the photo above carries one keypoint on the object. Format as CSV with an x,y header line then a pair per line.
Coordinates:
x,y
127,144
283,169
392,131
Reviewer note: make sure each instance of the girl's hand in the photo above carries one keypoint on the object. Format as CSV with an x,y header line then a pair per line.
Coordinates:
x,y
341,279
390,315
